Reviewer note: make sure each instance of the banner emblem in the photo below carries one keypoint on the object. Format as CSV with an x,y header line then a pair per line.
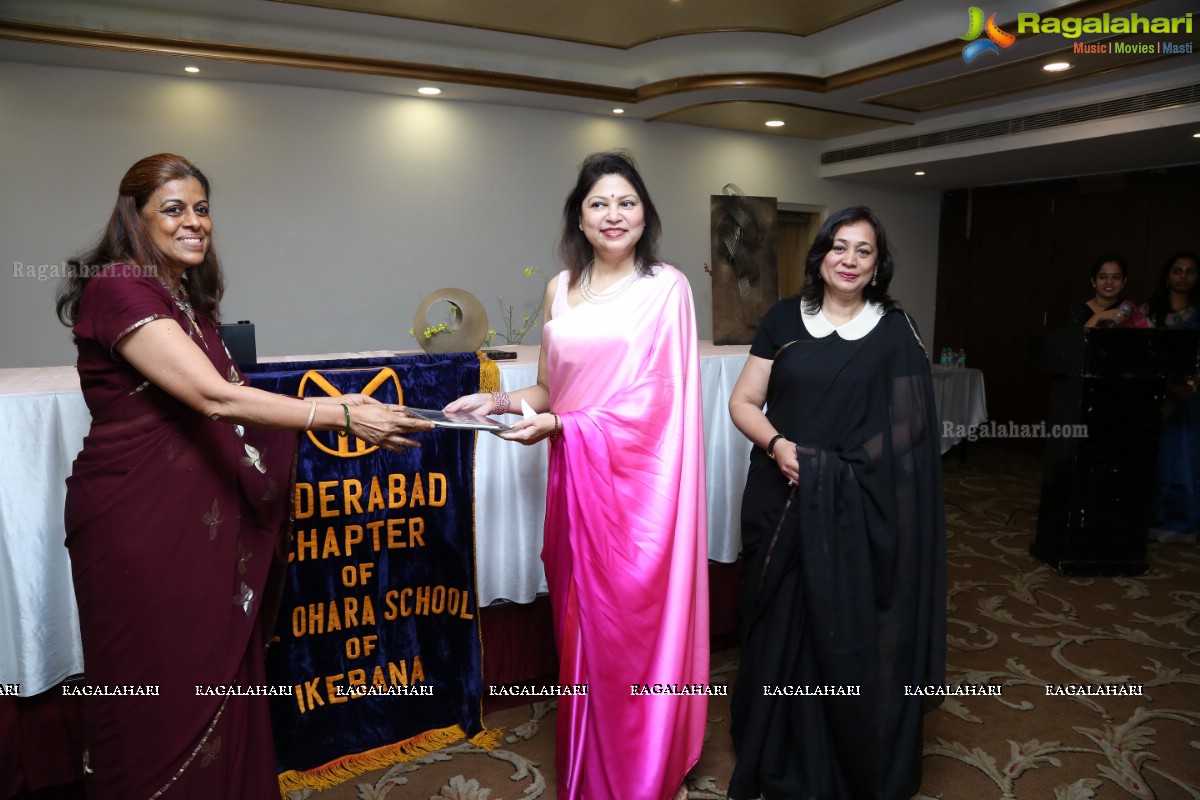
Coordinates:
x,y
342,447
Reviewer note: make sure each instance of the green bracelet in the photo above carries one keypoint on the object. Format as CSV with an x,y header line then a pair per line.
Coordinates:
x,y
346,432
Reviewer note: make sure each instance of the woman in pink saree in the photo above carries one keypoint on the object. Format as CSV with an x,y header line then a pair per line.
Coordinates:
x,y
175,503
626,533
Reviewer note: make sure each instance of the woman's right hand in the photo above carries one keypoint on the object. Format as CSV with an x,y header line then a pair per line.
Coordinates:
x,y
1113,315
478,403
385,425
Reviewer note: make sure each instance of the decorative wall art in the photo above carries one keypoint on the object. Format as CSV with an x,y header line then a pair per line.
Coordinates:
x,y
745,279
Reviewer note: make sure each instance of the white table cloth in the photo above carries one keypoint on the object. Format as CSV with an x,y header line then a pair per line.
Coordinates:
x,y
961,401
43,420
508,522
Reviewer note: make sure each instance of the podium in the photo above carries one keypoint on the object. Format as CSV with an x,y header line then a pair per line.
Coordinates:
x,y
1103,418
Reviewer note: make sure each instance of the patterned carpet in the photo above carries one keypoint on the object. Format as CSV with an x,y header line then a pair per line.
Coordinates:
x,y
1014,624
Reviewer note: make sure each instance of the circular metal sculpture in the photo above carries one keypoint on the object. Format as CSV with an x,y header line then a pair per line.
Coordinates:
x,y
465,330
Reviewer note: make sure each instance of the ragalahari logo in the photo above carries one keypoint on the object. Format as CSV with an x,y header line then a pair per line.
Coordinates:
x,y
996,38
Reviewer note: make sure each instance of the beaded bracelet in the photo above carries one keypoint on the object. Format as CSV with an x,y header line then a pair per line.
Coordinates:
x,y
557,428
312,412
500,403
346,432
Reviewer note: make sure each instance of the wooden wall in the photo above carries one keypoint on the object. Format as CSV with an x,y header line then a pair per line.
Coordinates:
x,y
1013,259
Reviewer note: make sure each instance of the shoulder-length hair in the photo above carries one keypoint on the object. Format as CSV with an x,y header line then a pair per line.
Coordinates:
x,y
813,292
127,240
573,246
1160,302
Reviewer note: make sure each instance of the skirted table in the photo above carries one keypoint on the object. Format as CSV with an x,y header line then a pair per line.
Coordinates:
x,y
43,420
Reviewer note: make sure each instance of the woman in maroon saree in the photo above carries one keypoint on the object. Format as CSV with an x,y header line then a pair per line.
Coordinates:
x,y
175,503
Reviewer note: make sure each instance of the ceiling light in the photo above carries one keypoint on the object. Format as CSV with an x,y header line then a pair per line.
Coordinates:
x,y
774,123
1196,135
191,69
918,172
429,90
618,111
1057,66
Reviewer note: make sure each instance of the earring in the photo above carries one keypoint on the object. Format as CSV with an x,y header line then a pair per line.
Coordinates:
x,y
873,276
581,226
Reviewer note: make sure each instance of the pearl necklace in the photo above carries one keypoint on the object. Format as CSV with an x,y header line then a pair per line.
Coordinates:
x,y
612,292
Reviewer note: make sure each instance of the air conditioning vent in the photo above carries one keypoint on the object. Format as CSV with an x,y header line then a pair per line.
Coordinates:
x,y
1154,101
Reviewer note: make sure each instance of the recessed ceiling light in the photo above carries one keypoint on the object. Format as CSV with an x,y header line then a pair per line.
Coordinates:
x,y
918,172
191,69
774,123
618,111
429,90
1057,66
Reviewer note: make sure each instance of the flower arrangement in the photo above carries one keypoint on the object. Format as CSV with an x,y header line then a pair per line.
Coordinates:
x,y
514,332
442,327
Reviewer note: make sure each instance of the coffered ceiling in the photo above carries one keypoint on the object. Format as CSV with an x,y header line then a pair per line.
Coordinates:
x,y
843,75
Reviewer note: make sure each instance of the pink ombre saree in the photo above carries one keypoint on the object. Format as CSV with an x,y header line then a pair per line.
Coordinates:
x,y
626,538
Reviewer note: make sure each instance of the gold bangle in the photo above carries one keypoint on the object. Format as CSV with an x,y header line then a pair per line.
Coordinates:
x,y
312,412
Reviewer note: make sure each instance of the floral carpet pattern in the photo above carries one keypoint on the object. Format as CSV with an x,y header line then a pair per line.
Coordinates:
x,y
1068,656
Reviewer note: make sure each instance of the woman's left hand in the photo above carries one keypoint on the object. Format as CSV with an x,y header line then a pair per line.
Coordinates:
x,y
784,454
531,430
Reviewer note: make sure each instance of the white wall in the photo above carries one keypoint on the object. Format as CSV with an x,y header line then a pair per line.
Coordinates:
x,y
336,212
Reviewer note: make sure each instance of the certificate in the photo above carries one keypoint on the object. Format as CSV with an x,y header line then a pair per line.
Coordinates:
x,y
457,419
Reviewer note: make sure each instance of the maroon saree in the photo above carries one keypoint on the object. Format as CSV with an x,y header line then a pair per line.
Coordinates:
x,y
171,523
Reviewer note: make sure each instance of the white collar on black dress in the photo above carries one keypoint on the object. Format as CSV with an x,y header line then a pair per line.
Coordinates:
x,y
863,323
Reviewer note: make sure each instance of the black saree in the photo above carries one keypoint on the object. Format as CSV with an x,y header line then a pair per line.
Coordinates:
x,y
845,572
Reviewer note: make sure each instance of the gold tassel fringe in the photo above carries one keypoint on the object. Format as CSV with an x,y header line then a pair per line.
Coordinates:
x,y
345,768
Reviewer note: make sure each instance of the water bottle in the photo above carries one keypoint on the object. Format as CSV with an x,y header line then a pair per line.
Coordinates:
x,y
962,358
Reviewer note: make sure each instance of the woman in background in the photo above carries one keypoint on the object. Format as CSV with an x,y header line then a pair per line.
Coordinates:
x,y
1175,304
843,534
626,537
1105,309
176,500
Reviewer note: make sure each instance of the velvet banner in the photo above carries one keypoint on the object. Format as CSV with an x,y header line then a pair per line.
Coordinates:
x,y
377,631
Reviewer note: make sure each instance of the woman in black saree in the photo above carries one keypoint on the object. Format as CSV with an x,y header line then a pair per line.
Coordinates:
x,y
843,613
